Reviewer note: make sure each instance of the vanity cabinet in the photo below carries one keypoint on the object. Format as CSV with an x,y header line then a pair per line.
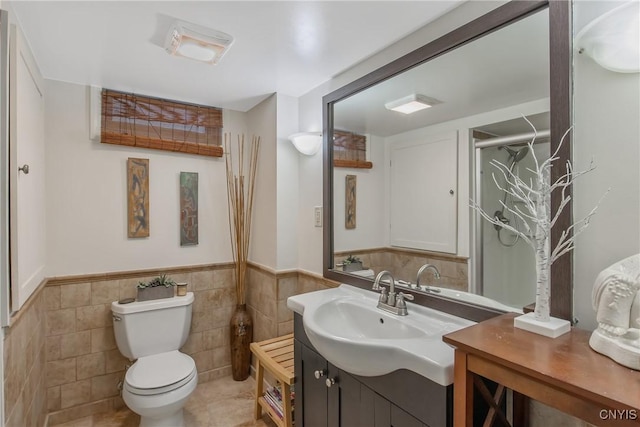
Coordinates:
x,y
329,397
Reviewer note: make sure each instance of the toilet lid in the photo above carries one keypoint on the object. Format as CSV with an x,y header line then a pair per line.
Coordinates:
x,y
160,370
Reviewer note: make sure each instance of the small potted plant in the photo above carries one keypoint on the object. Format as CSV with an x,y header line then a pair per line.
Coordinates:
x,y
352,263
159,287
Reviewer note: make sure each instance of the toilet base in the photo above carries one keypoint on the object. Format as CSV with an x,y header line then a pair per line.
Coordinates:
x,y
175,420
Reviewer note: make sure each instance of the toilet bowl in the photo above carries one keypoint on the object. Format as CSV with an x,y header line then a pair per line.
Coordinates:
x,y
161,380
157,388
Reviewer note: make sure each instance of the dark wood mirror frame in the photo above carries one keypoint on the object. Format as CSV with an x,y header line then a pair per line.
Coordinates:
x,y
560,105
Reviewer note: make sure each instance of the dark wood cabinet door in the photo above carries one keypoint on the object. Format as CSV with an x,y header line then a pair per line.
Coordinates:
x,y
314,391
400,418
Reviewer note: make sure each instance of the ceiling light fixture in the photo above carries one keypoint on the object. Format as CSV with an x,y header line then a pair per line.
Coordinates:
x,y
411,104
612,39
307,143
197,42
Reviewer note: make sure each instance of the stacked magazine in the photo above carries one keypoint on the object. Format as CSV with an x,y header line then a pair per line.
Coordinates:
x,y
273,396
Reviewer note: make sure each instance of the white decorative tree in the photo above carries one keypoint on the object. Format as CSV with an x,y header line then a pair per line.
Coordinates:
x,y
536,217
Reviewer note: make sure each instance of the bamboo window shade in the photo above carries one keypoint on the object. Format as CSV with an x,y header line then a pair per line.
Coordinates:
x,y
350,150
147,122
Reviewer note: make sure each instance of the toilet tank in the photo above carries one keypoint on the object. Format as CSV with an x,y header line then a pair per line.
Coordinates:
x,y
152,327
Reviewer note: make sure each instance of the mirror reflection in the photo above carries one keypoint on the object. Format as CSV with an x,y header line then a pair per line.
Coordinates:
x,y
402,188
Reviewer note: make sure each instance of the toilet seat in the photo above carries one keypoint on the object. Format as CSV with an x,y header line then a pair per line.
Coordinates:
x,y
160,373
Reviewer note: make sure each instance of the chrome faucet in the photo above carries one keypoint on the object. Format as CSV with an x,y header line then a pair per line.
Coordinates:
x,y
391,302
436,274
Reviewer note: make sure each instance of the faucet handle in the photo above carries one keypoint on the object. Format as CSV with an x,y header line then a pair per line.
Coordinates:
x,y
402,296
384,296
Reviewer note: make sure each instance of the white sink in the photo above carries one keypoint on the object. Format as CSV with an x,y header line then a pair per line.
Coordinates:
x,y
348,330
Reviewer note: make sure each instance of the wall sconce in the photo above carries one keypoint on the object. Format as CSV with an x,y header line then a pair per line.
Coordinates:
x,y
197,42
308,143
613,39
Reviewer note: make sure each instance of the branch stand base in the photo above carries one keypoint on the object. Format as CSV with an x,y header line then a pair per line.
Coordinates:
x,y
552,329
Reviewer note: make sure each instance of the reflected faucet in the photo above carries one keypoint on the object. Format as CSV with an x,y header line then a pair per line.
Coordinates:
x,y
436,274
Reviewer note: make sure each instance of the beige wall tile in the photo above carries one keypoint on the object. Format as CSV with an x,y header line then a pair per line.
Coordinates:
x,y
223,278
221,357
115,362
193,344
75,344
216,298
91,365
284,313
15,416
214,338
202,320
202,280
105,385
91,317
287,287
51,297
285,328
102,339
61,321
76,393
53,347
105,292
75,295
128,287
61,372
204,360
53,398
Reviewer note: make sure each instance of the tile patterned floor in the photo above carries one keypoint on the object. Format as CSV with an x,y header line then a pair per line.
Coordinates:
x,y
219,403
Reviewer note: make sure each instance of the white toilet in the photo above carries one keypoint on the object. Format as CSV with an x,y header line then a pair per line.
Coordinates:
x,y
159,383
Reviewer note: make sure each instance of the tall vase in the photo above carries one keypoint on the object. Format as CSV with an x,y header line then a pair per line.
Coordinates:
x,y
241,335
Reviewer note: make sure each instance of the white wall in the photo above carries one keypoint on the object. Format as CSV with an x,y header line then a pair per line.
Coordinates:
x,y
310,238
288,188
86,196
371,204
261,121
607,130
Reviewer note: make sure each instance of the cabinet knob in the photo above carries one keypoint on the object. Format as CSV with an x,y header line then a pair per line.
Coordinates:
x,y
451,192
24,169
319,374
330,381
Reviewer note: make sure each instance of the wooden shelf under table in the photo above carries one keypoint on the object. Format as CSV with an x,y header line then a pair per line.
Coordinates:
x,y
564,373
276,356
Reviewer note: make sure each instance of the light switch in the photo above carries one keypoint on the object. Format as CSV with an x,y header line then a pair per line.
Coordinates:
x,y
318,215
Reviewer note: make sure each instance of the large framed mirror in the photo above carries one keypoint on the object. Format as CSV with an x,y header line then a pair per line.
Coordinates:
x,y
397,186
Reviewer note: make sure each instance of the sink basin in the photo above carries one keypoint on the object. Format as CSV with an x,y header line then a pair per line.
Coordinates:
x,y
348,330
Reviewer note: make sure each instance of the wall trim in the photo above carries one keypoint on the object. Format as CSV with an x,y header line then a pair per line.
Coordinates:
x,y
17,315
405,251
119,275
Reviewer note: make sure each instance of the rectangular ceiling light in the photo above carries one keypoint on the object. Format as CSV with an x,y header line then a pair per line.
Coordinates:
x,y
197,42
411,104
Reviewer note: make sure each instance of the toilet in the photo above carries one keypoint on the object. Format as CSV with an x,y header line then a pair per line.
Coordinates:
x,y
161,380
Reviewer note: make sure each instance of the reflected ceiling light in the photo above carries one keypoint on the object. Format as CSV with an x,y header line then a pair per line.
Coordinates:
x,y
613,39
411,104
196,42
308,143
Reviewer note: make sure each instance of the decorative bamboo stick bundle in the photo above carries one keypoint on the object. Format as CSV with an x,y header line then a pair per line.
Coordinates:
x,y
240,189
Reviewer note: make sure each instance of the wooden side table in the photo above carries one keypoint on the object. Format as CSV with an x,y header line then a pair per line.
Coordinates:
x,y
564,373
276,356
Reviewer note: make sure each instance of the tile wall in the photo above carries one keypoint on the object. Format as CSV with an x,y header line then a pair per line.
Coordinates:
x,y
24,365
83,363
267,294
404,265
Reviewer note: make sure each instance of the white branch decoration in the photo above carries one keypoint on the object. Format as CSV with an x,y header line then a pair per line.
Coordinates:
x,y
535,215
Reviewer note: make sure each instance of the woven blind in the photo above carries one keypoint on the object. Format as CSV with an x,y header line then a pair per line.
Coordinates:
x,y
142,121
349,146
